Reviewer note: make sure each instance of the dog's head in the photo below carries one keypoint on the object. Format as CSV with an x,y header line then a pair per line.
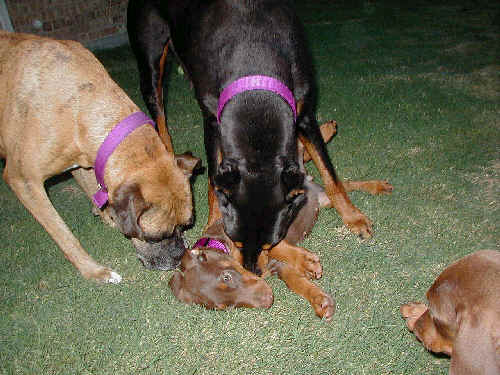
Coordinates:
x,y
258,204
217,281
154,206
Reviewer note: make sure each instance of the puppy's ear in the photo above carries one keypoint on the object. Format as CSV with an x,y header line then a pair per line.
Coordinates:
x,y
189,164
198,255
227,175
177,285
129,204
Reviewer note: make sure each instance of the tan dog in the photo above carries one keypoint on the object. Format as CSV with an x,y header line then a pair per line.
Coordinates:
x,y
463,316
58,106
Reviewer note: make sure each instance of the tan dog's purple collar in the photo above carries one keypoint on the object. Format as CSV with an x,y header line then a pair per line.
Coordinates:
x,y
114,138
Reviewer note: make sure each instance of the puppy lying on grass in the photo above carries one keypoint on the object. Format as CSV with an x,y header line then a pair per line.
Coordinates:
x,y
211,273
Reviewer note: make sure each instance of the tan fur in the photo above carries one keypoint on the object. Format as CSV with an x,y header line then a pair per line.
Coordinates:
x,y
58,105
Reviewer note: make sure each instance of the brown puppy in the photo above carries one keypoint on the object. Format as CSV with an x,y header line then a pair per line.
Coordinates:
x,y
209,276
58,106
462,319
217,280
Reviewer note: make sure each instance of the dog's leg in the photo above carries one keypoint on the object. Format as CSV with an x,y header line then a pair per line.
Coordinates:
x,y
328,130
214,158
86,179
322,303
312,140
161,119
34,197
372,186
214,213
305,262
149,39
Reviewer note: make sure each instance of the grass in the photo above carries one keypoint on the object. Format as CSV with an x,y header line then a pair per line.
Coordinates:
x,y
415,90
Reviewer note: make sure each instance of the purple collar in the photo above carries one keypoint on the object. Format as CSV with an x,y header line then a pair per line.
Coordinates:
x,y
114,138
257,82
211,243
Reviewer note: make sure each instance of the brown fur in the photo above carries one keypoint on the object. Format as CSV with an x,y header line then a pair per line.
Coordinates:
x,y
59,104
462,318
294,265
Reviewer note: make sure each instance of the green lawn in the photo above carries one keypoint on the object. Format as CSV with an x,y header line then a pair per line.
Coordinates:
x,y
415,91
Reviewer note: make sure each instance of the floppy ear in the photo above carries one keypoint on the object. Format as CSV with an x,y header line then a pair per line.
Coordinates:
x,y
188,163
129,204
198,255
227,175
293,179
176,284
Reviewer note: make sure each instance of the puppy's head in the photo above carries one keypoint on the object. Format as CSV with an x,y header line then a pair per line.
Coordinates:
x,y
154,206
217,281
258,204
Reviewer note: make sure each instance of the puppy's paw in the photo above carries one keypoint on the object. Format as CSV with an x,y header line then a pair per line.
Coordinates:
x,y
411,312
381,187
324,306
311,266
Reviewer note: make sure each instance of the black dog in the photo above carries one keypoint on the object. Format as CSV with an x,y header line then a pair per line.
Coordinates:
x,y
254,179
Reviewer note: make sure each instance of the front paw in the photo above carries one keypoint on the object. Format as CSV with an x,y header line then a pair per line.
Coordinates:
x,y
358,223
310,266
381,187
324,306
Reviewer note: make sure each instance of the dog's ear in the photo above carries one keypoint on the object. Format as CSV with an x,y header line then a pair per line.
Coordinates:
x,y
189,164
198,255
128,205
293,179
177,285
227,175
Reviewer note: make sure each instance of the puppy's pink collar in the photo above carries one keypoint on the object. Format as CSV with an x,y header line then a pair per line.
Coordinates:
x,y
211,243
114,138
256,82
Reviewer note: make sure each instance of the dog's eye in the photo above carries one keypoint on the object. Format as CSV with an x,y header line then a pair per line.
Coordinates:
x,y
226,277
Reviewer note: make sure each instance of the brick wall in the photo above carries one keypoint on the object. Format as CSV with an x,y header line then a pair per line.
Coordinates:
x,y
86,21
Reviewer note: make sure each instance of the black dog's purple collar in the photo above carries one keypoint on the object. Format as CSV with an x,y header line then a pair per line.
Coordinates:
x,y
211,243
256,82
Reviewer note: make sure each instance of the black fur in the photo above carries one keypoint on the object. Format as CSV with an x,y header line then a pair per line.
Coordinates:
x,y
258,183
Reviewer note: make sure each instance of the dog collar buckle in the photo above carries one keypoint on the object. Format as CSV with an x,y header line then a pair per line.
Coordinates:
x,y
114,138
212,243
257,82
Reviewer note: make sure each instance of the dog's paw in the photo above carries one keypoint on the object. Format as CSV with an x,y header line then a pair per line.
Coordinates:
x,y
114,278
382,187
324,306
358,223
102,274
310,266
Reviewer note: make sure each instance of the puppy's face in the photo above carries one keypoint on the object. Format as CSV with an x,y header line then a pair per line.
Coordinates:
x,y
217,281
258,206
154,207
